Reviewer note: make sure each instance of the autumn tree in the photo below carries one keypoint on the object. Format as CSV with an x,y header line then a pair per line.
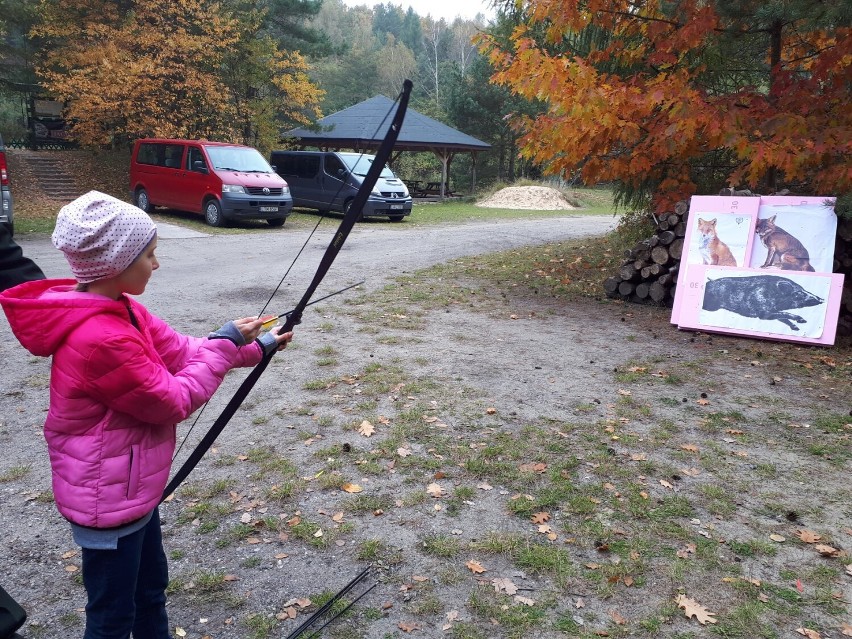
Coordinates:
x,y
668,98
162,67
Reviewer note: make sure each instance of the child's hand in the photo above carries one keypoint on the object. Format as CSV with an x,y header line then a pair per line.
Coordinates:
x,y
283,339
249,327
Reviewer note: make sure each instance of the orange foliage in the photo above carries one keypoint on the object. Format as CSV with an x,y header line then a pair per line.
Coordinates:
x,y
153,69
646,123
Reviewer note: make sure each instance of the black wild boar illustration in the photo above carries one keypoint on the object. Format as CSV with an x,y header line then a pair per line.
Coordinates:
x,y
765,297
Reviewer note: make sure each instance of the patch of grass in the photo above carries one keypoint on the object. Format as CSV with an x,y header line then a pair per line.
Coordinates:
x,y
15,473
441,546
377,551
516,619
260,626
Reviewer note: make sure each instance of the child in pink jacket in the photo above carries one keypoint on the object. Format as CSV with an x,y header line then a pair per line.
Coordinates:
x,y
121,380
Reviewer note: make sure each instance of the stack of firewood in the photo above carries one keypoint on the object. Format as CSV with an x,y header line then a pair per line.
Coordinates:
x,y
648,272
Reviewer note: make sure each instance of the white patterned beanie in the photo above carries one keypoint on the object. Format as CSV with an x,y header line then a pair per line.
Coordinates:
x,y
101,235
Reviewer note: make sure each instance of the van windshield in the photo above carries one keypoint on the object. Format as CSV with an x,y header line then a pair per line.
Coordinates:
x,y
360,164
237,158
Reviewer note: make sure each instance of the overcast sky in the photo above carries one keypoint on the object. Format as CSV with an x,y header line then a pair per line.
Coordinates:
x,y
447,9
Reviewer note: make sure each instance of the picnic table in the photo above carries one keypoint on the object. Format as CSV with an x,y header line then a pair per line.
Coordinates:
x,y
434,188
413,186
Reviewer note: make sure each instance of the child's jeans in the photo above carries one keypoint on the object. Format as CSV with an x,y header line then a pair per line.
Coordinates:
x,y
127,587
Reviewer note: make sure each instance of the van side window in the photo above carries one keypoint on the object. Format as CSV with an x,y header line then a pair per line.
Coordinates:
x,y
301,166
195,159
159,154
148,153
172,155
333,166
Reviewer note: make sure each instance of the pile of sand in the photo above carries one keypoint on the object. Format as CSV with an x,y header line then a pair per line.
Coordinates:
x,y
537,198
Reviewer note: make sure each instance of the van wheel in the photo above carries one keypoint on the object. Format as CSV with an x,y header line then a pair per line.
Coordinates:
x,y
396,218
142,200
213,213
276,222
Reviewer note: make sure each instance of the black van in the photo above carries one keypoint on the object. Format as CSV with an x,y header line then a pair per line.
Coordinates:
x,y
328,181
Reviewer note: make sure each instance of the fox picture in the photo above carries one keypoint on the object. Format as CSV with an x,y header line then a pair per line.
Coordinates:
x,y
783,250
713,250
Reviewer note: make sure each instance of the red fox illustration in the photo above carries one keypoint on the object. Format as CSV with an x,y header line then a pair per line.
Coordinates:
x,y
713,250
784,250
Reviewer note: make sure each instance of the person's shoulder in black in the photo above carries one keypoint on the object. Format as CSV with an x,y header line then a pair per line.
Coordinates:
x,y
14,267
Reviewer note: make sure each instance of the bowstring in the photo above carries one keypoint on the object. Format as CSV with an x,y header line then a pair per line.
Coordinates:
x,y
322,216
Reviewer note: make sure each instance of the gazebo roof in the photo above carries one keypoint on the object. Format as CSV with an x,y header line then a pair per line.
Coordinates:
x,y
363,126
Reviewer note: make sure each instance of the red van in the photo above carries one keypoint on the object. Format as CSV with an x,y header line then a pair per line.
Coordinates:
x,y
219,180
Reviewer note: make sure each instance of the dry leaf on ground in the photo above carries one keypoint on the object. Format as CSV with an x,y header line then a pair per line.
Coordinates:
x,y
435,490
808,536
504,584
366,429
475,567
692,608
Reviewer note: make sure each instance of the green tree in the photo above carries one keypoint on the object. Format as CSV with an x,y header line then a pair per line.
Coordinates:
x,y
289,24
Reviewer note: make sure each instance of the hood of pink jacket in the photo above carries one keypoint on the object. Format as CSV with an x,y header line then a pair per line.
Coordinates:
x,y
42,313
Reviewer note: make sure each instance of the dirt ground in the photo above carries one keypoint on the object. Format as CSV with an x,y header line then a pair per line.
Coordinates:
x,y
536,468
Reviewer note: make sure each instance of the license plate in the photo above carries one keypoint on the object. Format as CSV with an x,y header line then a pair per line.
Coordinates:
x,y
395,206
269,209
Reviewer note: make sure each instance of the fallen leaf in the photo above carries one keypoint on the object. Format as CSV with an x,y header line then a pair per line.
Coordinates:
x,y
475,567
826,550
504,584
692,448
366,429
686,551
617,618
491,410
808,536
846,629
533,467
524,600
351,488
579,603
435,490
180,632
540,518
703,402
692,608
810,634
779,538
666,484
638,457
403,452
408,626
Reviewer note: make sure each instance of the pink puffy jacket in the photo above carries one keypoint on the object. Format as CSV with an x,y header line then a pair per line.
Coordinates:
x,y
116,394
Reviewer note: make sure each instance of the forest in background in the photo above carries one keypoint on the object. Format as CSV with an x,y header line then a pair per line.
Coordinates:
x,y
660,99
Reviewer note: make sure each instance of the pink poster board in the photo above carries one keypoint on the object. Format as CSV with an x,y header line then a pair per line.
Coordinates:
x,y
716,299
734,225
760,267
